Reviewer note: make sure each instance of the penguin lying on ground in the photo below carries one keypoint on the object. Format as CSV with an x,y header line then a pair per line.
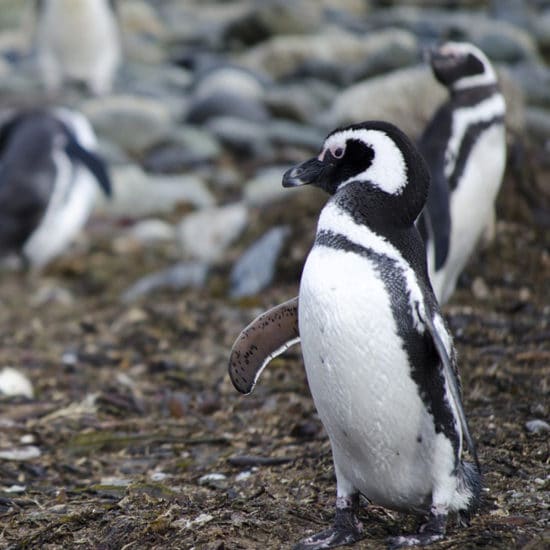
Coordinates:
x,y
49,175
78,40
465,147
380,361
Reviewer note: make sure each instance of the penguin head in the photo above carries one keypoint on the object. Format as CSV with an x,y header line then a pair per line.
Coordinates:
x,y
461,65
376,162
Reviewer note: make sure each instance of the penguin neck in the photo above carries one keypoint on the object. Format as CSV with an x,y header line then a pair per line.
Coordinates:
x,y
464,97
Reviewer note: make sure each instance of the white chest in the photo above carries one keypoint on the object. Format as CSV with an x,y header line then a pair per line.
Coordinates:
x,y
360,379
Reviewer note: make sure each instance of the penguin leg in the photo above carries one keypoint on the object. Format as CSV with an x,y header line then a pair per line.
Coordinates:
x,y
346,528
429,532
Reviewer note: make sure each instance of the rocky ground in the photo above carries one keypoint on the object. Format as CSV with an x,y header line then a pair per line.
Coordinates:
x,y
133,436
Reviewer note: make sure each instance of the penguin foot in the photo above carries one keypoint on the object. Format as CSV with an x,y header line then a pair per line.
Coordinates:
x,y
432,531
346,528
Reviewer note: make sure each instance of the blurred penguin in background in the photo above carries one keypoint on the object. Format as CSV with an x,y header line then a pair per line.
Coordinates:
x,y
465,147
49,178
78,40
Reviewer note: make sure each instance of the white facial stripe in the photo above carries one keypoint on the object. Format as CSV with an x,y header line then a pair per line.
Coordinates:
x,y
333,218
488,76
463,119
388,171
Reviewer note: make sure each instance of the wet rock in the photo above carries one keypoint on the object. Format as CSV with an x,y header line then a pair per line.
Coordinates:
x,y
13,382
136,193
205,235
537,426
180,276
266,186
135,123
255,269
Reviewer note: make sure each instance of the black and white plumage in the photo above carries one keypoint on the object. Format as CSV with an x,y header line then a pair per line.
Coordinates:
x,y
379,359
49,177
465,147
78,40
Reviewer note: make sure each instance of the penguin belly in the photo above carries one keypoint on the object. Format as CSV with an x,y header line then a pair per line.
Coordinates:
x,y
67,212
382,436
472,207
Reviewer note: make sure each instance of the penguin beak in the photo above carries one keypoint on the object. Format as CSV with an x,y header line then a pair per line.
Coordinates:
x,y
305,173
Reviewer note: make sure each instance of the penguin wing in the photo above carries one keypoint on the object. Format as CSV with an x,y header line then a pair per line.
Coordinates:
x,y
91,160
435,220
262,340
451,377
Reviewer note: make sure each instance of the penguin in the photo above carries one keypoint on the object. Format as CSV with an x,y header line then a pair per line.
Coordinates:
x,y
379,357
78,40
49,176
465,147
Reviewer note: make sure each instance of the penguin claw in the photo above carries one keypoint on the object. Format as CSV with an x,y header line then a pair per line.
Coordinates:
x,y
331,538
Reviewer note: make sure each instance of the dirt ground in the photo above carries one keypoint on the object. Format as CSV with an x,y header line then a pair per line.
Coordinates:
x,y
144,443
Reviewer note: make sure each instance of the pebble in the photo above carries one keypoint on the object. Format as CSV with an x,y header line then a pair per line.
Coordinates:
x,y
180,276
206,234
13,382
151,231
255,269
20,454
537,426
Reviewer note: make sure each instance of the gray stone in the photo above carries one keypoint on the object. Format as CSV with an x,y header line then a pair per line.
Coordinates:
x,y
504,42
187,146
134,123
178,277
299,101
206,234
222,104
275,17
266,187
228,78
136,193
255,269
285,55
289,134
243,137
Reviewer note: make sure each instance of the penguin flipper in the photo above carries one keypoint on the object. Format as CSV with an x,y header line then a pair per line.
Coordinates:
x,y
91,160
453,383
269,335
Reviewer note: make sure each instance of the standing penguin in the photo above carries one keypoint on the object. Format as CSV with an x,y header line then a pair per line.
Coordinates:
x,y
49,176
78,40
379,359
465,147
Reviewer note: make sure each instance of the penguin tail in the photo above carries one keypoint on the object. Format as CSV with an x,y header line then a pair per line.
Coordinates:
x,y
469,488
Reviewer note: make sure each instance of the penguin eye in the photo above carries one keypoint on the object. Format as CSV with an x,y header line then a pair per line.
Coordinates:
x,y
338,153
